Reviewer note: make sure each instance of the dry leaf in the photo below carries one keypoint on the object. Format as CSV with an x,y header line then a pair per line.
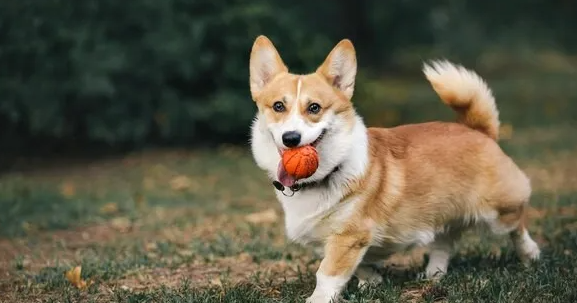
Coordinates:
x,y
121,224
267,216
151,246
109,208
67,189
180,183
73,276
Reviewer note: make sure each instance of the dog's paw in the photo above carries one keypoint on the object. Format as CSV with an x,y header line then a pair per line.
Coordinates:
x,y
368,275
431,275
321,298
530,255
528,252
372,280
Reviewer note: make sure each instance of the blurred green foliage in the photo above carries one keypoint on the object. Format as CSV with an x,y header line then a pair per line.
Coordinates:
x,y
176,71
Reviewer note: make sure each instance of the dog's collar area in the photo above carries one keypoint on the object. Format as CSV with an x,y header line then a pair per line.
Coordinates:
x,y
301,186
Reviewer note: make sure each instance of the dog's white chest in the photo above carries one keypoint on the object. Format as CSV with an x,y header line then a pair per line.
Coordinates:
x,y
312,215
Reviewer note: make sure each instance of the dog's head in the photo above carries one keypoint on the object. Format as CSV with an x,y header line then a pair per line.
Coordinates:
x,y
299,110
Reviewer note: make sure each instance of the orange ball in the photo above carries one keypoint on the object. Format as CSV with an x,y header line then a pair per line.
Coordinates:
x,y
301,162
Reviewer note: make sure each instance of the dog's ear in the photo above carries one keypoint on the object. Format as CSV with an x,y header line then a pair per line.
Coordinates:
x,y
265,64
340,67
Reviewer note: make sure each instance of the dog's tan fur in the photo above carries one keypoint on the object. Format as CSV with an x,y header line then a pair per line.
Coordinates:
x,y
431,178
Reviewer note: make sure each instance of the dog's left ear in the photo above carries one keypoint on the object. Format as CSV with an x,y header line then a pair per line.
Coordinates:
x,y
340,67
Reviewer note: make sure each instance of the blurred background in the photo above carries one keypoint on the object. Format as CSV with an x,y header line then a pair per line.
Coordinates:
x,y
124,130
107,75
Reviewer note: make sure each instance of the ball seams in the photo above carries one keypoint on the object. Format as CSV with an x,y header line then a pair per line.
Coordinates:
x,y
306,163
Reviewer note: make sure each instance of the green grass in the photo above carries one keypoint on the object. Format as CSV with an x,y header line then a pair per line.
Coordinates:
x,y
171,226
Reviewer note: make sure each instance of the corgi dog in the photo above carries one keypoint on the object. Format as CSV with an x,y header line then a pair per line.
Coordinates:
x,y
378,191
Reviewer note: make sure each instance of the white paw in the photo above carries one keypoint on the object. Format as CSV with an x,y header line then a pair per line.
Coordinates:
x,y
368,276
373,280
320,298
530,252
433,274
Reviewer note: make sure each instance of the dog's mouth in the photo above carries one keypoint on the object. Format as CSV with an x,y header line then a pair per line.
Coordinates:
x,y
283,177
319,138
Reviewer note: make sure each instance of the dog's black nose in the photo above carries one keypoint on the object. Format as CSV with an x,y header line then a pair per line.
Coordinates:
x,y
291,139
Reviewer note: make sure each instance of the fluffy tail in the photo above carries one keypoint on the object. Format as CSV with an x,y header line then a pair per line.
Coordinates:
x,y
467,93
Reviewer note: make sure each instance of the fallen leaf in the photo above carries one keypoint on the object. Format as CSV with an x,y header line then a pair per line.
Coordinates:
x,y
67,189
121,224
151,246
266,216
109,208
73,276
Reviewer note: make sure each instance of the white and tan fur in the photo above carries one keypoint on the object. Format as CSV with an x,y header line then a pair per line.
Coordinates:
x,y
412,185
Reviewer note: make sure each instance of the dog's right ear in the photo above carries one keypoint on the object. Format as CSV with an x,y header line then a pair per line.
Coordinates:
x,y
340,67
265,64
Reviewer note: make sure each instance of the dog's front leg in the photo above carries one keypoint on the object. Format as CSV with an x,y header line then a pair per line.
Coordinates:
x,y
343,253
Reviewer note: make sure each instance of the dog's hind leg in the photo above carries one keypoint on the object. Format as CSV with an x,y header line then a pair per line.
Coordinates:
x,y
440,252
511,220
526,248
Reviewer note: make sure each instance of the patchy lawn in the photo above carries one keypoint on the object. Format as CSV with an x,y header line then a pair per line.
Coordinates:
x,y
204,226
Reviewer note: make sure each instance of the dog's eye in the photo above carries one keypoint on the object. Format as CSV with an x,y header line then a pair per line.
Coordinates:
x,y
314,108
278,107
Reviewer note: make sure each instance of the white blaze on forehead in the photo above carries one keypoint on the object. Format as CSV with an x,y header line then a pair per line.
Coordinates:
x,y
299,86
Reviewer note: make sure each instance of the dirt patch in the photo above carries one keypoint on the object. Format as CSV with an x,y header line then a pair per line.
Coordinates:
x,y
224,271
39,249
425,293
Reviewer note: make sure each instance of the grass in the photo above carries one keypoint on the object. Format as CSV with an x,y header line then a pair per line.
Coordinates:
x,y
204,226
